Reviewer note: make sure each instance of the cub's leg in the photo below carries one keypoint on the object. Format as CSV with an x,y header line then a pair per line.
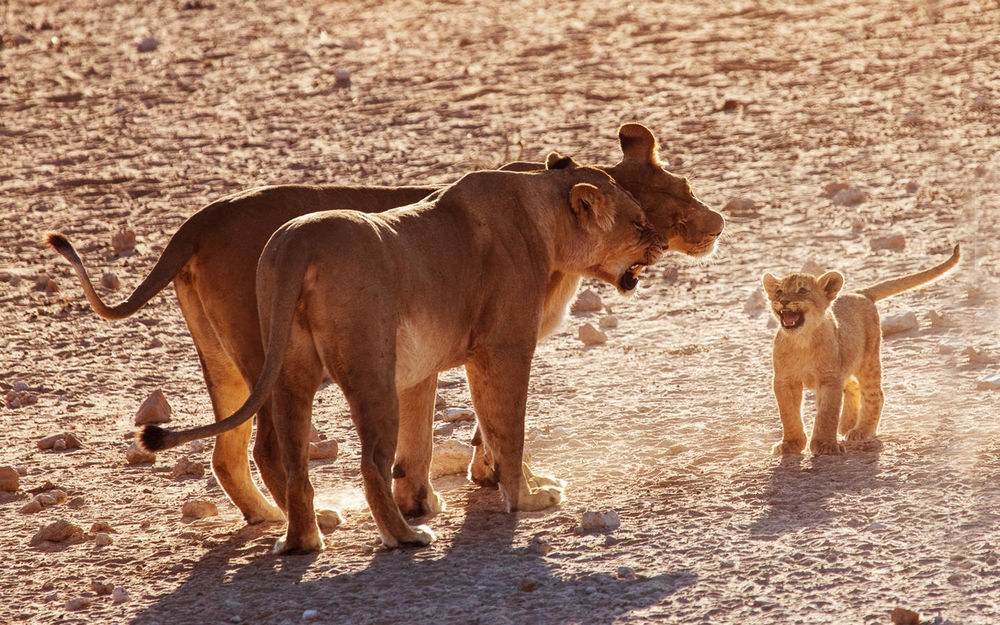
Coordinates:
x,y
872,399
793,436
498,381
852,404
829,397
227,391
412,489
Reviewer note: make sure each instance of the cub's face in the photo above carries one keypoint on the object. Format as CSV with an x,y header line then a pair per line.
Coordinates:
x,y
800,299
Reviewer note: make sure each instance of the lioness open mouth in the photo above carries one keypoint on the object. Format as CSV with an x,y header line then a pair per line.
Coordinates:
x,y
791,319
630,279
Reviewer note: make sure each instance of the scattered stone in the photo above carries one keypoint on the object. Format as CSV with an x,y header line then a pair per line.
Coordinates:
x,y
154,410
323,450
48,585
20,386
328,520
670,275
10,481
185,466
981,356
527,585
730,105
101,587
756,303
626,572
454,415
59,442
989,382
102,539
135,454
444,429
19,399
310,615
590,335
101,526
813,268
196,446
451,457
342,78
849,197
741,207
80,603
76,503
833,188
315,435
538,545
594,520
912,186
937,319
46,500
199,509
61,531
587,301
895,242
148,44
894,324
31,507
120,595
902,616
111,281
44,282
608,321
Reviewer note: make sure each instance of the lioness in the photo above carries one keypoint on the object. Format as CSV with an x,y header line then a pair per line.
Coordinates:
x,y
383,302
831,344
211,260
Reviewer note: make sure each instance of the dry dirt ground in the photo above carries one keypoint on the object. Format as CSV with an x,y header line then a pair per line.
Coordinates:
x,y
669,423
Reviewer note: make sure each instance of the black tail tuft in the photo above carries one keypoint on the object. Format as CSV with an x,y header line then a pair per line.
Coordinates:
x,y
58,241
153,438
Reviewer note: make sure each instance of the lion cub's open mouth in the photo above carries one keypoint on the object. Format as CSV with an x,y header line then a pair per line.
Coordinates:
x,y
630,279
791,319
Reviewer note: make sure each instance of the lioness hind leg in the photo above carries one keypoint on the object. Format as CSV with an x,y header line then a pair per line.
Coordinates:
x,y
412,489
872,399
852,405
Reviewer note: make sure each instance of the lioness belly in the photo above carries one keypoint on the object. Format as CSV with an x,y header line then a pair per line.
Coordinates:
x,y
422,349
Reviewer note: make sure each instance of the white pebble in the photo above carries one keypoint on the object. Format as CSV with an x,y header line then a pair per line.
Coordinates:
x,y
850,197
608,321
590,335
452,415
120,595
199,509
310,615
587,301
154,409
102,539
450,457
990,382
894,324
895,242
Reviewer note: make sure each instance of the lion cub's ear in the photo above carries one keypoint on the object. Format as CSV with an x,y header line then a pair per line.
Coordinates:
x,y
770,284
637,143
555,160
591,206
831,282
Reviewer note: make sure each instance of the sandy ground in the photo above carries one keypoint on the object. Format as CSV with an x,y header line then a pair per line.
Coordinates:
x,y
669,423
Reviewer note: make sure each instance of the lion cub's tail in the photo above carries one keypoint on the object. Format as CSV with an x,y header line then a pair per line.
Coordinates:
x,y
889,288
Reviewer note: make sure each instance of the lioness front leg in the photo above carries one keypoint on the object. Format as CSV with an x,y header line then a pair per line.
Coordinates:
x,y
829,396
793,437
498,381
412,489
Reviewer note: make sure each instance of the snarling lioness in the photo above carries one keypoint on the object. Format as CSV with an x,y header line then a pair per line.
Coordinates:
x,y
211,261
830,342
383,302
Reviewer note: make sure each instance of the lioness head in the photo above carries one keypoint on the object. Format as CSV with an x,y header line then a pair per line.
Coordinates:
x,y
800,298
611,238
689,225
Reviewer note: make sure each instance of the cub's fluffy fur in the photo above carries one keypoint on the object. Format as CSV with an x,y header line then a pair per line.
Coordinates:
x,y
831,345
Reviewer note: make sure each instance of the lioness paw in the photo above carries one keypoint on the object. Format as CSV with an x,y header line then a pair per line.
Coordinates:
x,y
419,535
328,520
788,447
284,546
827,448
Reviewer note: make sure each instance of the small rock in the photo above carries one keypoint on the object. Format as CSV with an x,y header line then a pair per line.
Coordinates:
x,y
315,435
730,105
590,335
894,324
58,495
608,321
61,531
31,507
980,356
989,382
10,481
101,526
80,603
48,585
611,520
328,520
199,509
587,301
741,207
101,587
538,545
912,186
154,409
135,454
813,268
670,275
593,520
185,466
833,188
45,500
342,78
76,503
444,429
148,44
19,399
451,457
527,585
895,242
756,303
626,572
102,540
196,446
849,197
120,595
454,415
937,319
323,450
44,282
59,442
902,616
111,281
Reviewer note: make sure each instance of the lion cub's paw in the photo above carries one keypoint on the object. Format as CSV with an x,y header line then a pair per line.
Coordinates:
x,y
540,498
827,448
540,481
284,547
788,447
328,520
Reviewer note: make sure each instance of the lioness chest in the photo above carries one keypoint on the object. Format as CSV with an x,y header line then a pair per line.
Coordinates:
x,y
424,347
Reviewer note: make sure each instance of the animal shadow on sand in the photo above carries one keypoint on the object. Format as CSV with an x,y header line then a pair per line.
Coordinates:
x,y
479,578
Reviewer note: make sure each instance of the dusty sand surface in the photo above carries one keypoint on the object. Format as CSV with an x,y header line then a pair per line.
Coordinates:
x,y
669,423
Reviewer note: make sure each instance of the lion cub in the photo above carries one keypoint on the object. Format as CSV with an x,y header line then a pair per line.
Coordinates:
x,y
831,345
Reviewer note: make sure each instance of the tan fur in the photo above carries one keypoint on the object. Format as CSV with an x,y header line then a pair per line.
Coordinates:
x,y
831,343
384,302
212,257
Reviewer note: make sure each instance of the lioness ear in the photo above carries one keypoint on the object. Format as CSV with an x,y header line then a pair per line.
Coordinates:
x,y
638,143
590,206
555,160
770,284
831,282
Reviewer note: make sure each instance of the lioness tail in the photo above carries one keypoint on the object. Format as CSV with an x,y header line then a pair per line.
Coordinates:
x,y
889,288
